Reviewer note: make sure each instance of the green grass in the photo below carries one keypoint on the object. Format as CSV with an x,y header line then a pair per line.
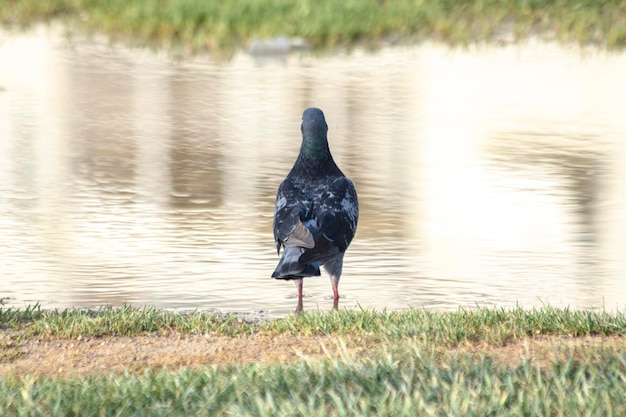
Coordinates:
x,y
491,325
415,369
467,387
218,25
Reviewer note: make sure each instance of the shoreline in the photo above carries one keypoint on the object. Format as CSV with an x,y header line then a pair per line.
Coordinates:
x,y
189,28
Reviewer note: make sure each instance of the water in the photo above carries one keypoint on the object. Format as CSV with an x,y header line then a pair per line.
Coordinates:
x,y
492,175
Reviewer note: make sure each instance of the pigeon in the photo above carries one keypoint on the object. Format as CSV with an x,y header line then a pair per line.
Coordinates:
x,y
316,211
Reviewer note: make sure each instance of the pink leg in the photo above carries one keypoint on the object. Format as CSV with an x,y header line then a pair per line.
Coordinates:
x,y
298,283
334,281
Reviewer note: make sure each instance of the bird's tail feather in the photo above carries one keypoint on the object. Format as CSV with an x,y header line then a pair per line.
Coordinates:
x,y
289,268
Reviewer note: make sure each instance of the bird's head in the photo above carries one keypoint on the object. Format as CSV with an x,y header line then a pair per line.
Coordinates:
x,y
314,130
313,123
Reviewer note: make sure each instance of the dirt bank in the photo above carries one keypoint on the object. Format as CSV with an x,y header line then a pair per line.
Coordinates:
x,y
86,356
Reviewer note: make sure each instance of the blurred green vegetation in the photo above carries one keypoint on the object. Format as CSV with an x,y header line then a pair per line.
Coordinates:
x,y
409,383
200,25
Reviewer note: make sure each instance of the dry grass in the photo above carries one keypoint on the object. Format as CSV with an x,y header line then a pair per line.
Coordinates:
x,y
119,354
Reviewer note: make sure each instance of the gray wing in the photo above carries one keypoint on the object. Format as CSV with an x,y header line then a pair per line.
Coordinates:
x,y
336,211
293,206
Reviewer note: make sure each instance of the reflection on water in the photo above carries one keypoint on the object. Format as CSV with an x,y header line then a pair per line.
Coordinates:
x,y
492,176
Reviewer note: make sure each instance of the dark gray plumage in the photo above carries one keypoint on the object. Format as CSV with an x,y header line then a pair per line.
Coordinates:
x,y
316,211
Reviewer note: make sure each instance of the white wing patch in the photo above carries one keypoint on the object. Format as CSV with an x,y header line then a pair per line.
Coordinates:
x,y
280,203
350,208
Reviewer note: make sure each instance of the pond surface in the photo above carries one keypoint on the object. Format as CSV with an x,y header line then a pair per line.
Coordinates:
x,y
491,175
